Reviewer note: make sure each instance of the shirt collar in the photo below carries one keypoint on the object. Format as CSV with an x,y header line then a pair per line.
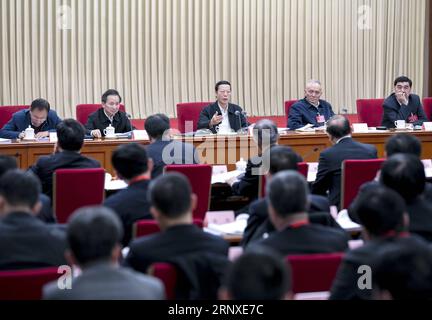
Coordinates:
x,y
109,118
347,136
222,110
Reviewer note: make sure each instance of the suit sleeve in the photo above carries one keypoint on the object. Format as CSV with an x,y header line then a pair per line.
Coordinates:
x,y
248,184
204,119
345,283
9,130
56,121
295,118
390,115
323,178
90,125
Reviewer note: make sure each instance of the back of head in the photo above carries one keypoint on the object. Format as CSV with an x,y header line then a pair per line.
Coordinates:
x,y
170,194
70,135
283,158
380,210
258,275
40,104
338,126
287,193
405,272
130,160
7,163
405,174
20,189
403,143
265,133
110,92
92,234
157,125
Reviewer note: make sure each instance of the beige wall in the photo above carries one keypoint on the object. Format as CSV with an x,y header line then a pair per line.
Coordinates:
x,y
160,52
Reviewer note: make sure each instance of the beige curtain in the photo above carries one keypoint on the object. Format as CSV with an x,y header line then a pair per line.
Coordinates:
x,y
161,52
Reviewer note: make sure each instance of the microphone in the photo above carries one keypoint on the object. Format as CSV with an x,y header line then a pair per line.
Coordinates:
x,y
238,114
244,113
311,152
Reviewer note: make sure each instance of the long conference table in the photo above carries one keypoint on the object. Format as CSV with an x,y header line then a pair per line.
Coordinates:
x,y
215,150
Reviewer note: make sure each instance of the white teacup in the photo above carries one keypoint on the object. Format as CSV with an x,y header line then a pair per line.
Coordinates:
x,y
29,133
400,124
109,131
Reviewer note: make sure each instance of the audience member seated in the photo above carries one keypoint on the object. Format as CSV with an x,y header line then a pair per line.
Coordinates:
x,y
222,116
382,212
70,135
8,163
39,116
131,204
25,241
403,105
259,225
287,205
94,235
328,178
265,135
162,149
257,275
108,114
404,273
310,110
200,257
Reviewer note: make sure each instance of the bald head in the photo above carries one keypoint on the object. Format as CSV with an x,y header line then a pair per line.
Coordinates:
x,y
338,127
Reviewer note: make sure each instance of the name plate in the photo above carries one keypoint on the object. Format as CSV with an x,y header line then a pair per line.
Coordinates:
x,y
140,135
427,126
360,127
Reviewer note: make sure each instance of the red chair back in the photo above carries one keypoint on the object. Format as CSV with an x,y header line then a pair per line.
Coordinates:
x,y
188,113
427,106
25,284
6,113
167,273
370,111
84,110
76,188
354,174
199,176
288,105
303,168
313,272
144,228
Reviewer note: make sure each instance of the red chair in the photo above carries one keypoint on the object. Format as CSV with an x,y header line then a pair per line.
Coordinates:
x,y
167,273
370,111
199,176
25,284
188,113
354,174
427,106
288,105
313,272
84,110
144,228
76,188
303,168
6,113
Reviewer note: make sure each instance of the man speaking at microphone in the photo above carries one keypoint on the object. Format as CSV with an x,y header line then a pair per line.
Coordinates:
x,y
222,116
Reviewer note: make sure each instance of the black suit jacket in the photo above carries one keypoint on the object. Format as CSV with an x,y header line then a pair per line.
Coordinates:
x,y
188,248
98,120
330,166
307,239
130,204
236,122
259,224
26,242
345,284
179,153
394,111
47,165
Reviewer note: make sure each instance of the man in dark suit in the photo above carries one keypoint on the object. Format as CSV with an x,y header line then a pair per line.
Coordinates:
x,y
287,205
200,257
403,105
94,235
39,116
259,225
382,213
330,162
131,204
25,241
310,110
222,116
108,115
162,149
70,135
